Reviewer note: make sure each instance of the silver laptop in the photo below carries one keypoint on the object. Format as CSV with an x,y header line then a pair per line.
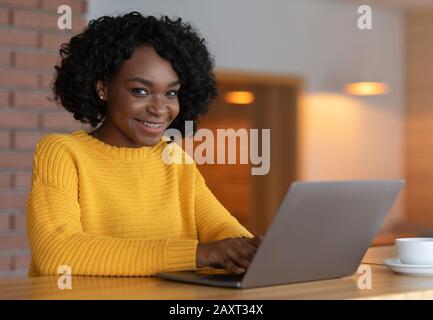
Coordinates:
x,y
322,230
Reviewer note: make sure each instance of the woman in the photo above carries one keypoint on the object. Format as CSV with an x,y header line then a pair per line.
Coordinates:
x,y
105,203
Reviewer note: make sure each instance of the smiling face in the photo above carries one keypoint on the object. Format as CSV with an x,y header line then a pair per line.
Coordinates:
x,y
141,100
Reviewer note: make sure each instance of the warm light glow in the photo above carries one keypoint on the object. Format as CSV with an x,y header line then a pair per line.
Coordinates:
x,y
366,88
332,137
239,97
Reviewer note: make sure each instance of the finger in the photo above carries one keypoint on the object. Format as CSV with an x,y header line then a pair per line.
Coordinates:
x,y
230,266
247,249
216,265
238,258
255,242
221,256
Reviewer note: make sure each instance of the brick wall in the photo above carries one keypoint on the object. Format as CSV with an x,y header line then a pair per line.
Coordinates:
x,y
29,44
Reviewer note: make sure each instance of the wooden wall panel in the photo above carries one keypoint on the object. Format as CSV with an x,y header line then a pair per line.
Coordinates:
x,y
419,125
280,115
253,200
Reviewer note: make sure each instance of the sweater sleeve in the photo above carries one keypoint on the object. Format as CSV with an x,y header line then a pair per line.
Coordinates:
x,y
214,221
56,235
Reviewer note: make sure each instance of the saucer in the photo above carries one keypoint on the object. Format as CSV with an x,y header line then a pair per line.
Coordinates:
x,y
409,269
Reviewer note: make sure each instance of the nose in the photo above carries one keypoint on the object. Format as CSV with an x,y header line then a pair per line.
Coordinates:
x,y
157,107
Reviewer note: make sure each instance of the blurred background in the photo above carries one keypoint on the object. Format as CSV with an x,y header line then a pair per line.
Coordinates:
x,y
298,67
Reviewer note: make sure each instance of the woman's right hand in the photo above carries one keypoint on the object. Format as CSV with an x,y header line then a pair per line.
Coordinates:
x,y
233,254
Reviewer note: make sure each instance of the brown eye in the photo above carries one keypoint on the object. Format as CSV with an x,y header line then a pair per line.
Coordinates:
x,y
174,93
139,91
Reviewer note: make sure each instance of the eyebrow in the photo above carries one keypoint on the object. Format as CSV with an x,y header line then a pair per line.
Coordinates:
x,y
150,83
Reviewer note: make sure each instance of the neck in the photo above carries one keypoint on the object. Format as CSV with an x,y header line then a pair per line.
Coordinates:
x,y
110,134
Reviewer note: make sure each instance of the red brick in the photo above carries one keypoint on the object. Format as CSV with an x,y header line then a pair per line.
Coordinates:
x,y
47,80
21,262
59,121
78,24
53,40
26,139
22,179
5,263
18,78
16,159
12,199
5,57
5,180
76,5
19,37
4,16
36,59
44,20
4,98
4,222
30,99
85,6
18,221
34,19
13,240
19,119
20,3
5,139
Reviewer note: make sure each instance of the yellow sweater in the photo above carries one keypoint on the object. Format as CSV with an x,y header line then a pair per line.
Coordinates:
x,y
116,211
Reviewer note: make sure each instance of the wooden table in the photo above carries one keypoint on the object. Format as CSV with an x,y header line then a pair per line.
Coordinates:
x,y
385,285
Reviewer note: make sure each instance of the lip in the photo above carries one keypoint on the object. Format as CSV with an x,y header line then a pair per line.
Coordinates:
x,y
145,120
148,130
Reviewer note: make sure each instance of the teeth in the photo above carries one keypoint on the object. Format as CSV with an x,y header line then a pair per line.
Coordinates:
x,y
151,125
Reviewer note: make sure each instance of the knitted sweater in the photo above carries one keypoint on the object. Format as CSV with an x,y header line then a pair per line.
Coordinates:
x,y
104,210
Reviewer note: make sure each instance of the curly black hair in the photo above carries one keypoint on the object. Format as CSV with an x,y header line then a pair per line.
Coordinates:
x,y
99,51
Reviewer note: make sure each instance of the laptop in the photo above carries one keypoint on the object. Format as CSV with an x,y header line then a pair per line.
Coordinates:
x,y
321,230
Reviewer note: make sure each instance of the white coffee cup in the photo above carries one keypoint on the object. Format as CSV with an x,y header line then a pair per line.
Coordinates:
x,y
417,251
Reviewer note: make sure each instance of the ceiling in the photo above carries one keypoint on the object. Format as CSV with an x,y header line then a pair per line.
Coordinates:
x,y
403,4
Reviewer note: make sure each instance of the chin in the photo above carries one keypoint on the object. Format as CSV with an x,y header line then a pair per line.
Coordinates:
x,y
149,141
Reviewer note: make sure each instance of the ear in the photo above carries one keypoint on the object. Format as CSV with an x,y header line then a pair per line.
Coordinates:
x,y
101,90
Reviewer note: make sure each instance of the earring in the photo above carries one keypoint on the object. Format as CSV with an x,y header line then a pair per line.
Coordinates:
x,y
102,98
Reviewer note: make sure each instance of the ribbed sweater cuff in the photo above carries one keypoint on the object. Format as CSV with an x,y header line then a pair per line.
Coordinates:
x,y
234,232
181,255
